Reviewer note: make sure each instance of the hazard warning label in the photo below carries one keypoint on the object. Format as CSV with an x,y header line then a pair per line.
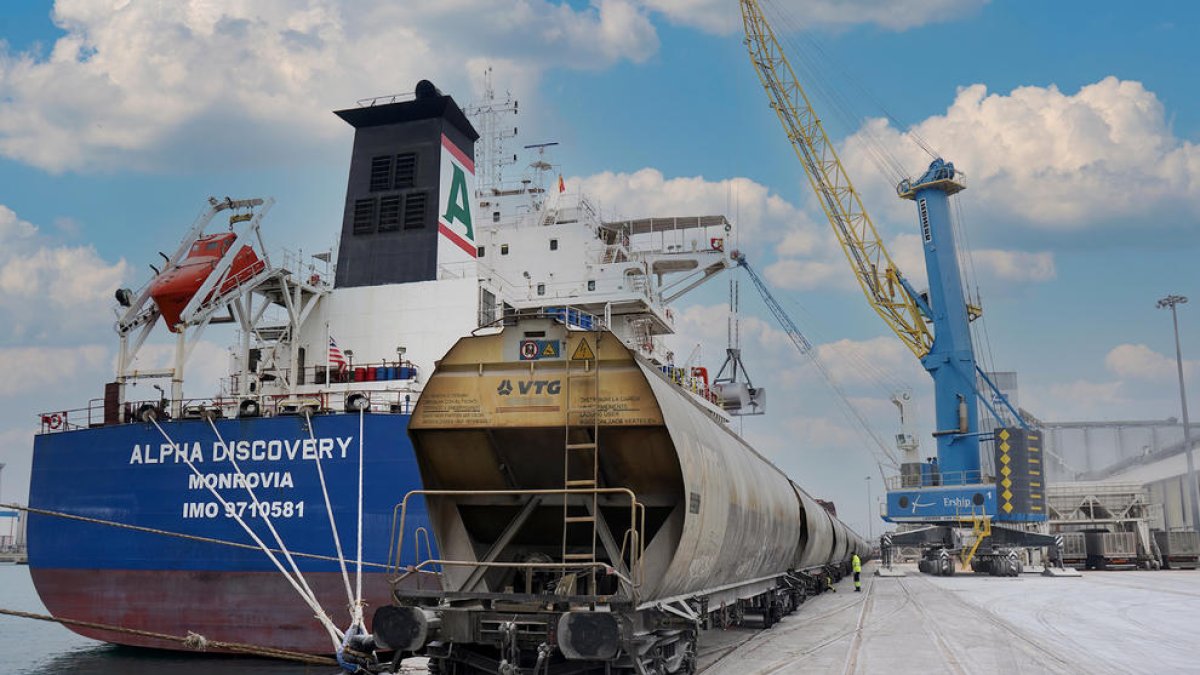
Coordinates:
x,y
533,350
583,352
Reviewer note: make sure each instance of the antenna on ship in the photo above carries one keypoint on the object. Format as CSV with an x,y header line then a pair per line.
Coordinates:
x,y
491,156
536,187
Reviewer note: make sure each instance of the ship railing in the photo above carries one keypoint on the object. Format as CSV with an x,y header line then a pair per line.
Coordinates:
x,y
71,419
396,370
295,263
697,386
628,566
96,415
937,478
324,401
572,317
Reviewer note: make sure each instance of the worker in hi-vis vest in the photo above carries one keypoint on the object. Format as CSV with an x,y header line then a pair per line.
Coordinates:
x,y
856,563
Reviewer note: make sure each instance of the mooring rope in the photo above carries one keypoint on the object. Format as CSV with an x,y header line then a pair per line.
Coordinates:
x,y
337,541
266,519
357,610
170,533
193,640
335,634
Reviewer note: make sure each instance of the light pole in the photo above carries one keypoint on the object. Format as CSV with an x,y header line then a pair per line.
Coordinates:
x,y
1193,492
870,515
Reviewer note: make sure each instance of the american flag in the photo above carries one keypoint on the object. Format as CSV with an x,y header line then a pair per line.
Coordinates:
x,y
336,357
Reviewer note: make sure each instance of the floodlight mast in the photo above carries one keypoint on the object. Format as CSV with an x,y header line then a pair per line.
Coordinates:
x,y
1170,302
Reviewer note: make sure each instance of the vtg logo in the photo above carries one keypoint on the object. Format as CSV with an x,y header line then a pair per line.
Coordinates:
x,y
535,387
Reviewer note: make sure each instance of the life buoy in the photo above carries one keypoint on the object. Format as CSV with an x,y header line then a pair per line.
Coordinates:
x,y
53,420
717,243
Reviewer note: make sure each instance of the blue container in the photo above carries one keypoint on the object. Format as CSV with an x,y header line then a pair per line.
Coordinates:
x,y
381,373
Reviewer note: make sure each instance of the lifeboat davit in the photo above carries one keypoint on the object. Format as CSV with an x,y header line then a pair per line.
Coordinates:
x,y
175,287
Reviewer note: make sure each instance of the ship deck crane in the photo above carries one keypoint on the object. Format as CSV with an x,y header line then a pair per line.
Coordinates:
x,y
935,327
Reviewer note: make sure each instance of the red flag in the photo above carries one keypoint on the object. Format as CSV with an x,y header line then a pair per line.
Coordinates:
x,y
562,187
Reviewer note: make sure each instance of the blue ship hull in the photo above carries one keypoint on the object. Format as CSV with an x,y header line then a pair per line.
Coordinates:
x,y
222,585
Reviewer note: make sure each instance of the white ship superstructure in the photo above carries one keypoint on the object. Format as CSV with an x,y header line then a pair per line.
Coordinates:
x,y
424,258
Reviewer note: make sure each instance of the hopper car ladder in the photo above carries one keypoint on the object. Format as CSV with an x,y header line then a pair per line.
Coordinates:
x,y
581,455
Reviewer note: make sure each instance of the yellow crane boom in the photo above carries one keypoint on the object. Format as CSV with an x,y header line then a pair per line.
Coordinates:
x,y
873,267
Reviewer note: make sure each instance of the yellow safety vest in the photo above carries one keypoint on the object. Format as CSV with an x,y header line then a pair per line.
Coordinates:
x,y
856,563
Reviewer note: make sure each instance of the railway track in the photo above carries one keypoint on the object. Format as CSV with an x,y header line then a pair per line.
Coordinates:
x,y
866,605
1052,656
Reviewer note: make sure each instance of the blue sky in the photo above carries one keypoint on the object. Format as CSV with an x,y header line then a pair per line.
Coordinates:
x,y
1077,124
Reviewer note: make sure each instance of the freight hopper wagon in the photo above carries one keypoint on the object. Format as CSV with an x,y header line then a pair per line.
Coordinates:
x,y
593,515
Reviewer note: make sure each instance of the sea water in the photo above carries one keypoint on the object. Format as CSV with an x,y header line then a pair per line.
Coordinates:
x,y
29,647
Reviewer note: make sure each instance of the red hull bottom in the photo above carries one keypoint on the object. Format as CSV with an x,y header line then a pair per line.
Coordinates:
x,y
256,608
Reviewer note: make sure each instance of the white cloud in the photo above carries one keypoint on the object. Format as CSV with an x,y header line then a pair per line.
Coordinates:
x,y
30,369
48,291
883,360
809,274
1142,363
1079,400
723,17
12,228
1057,161
647,192
154,84
1016,265
820,432
817,262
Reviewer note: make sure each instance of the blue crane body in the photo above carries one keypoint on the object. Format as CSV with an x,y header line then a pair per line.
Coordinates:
x,y
951,358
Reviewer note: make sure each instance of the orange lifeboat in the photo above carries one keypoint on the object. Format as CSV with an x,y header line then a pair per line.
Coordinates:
x,y
175,287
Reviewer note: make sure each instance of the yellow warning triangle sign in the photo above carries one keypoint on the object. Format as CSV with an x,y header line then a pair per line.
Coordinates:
x,y
583,352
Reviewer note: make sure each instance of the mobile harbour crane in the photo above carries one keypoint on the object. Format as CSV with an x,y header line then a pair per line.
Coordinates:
x,y
951,492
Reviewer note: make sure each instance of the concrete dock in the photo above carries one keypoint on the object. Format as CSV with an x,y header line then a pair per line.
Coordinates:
x,y
1102,622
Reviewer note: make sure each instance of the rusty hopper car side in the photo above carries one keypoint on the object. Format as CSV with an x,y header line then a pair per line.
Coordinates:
x,y
591,514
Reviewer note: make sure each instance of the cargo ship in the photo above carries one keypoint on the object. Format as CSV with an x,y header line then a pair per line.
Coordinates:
x,y
217,516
